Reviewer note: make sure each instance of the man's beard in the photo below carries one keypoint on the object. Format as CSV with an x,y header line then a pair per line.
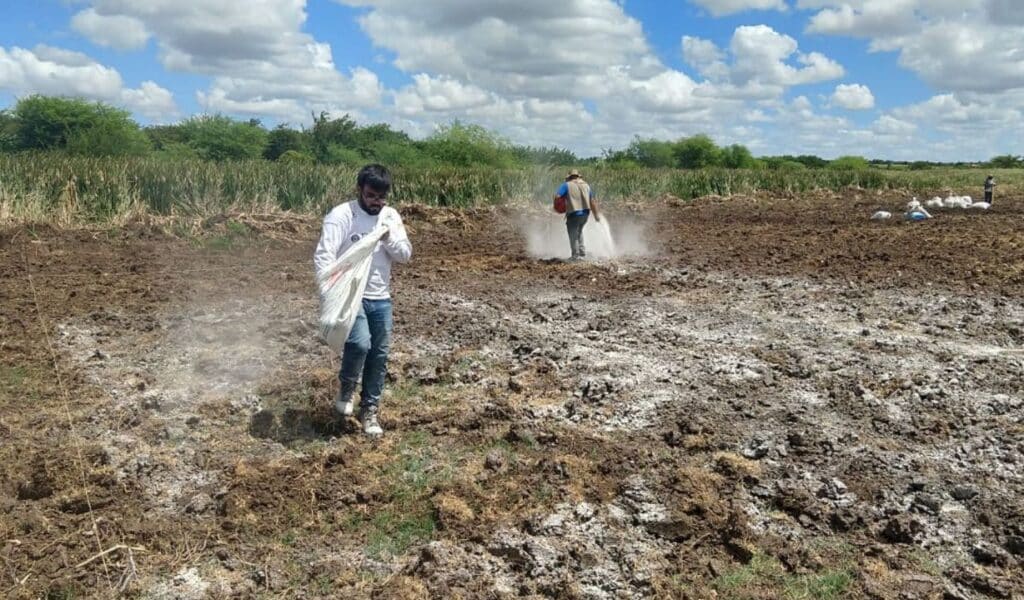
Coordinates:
x,y
370,210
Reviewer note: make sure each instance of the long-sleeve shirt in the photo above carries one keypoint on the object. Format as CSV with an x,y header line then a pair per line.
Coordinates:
x,y
345,225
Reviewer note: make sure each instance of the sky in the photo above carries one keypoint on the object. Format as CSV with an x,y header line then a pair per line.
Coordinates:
x,y
938,80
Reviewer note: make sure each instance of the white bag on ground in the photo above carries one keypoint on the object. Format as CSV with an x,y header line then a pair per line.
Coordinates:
x,y
341,289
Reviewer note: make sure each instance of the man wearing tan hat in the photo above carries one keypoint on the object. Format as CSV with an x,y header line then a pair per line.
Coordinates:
x,y
580,202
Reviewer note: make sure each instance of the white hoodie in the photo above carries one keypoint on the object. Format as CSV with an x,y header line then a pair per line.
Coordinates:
x,y
348,222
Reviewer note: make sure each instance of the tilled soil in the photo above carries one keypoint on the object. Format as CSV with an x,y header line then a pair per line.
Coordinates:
x,y
782,400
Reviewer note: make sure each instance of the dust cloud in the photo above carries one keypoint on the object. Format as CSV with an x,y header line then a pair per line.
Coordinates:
x,y
612,237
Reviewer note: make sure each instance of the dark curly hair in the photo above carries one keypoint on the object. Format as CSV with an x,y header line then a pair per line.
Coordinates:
x,y
376,176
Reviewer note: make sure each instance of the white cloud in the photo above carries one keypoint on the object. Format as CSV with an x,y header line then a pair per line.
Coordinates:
x,y
954,45
54,71
58,72
953,113
853,97
761,53
579,74
1005,12
762,64
872,18
968,126
151,101
432,101
891,126
442,94
123,33
706,57
261,61
966,56
533,48
671,91
720,8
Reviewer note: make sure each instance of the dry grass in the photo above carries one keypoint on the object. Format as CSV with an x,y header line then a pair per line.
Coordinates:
x,y
733,465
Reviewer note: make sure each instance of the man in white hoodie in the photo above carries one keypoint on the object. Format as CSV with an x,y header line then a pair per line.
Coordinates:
x,y
367,347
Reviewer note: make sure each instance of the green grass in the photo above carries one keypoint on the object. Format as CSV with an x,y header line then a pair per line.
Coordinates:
x,y
407,390
45,187
234,235
920,559
19,385
761,568
764,576
289,538
393,532
12,377
824,586
407,519
63,593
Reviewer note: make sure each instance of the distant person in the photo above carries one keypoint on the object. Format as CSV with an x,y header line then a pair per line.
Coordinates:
x,y
366,350
990,187
580,203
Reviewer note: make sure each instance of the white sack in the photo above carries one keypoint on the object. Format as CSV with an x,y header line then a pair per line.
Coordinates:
x,y
341,289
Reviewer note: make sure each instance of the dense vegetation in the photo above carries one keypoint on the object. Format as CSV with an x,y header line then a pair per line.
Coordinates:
x,y
90,161
82,128
36,186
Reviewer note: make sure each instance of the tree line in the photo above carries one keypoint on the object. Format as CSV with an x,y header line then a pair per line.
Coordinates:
x,y
80,127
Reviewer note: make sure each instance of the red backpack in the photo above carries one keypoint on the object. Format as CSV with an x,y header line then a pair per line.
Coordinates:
x,y
560,205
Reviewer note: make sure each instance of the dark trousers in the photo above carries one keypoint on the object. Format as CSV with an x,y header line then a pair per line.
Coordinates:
x,y
988,196
575,223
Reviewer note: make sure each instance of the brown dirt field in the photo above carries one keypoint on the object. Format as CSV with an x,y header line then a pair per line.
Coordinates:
x,y
783,399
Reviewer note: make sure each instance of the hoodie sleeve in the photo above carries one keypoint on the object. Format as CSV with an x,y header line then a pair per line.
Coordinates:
x,y
398,246
333,234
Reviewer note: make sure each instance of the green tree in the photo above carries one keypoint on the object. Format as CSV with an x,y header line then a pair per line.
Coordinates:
x,y
697,152
336,154
808,160
382,144
163,137
47,123
109,137
459,144
283,139
651,153
812,161
329,135
294,157
1006,161
737,157
217,137
553,156
397,153
8,132
365,137
849,163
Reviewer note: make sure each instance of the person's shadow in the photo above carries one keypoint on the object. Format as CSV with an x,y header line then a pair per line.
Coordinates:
x,y
291,425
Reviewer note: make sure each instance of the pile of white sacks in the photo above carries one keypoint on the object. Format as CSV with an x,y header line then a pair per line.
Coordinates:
x,y
957,202
916,212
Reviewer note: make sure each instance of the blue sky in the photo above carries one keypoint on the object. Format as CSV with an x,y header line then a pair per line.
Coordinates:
x,y
901,79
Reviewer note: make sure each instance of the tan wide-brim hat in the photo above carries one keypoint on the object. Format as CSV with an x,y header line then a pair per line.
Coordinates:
x,y
573,173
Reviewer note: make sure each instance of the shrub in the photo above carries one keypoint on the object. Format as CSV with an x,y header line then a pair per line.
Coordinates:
x,y
849,163
697,152
294,157
219,138
48,123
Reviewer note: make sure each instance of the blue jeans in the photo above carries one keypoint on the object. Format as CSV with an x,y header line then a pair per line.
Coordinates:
x,y
366,352
575,223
